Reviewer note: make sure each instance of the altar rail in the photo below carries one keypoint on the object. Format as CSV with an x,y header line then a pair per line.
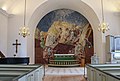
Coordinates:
x,y
64,63
62,60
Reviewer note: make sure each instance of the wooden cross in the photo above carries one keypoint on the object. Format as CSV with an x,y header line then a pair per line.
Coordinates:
x,y
16,44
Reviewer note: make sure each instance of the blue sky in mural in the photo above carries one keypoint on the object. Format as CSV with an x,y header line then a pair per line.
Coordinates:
x,y
66,15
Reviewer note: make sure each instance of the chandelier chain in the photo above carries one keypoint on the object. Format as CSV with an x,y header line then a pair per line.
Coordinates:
x,y
25,14
102,10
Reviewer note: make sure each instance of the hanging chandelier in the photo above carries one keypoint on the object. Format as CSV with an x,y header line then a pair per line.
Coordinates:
x,y
24,31
103,26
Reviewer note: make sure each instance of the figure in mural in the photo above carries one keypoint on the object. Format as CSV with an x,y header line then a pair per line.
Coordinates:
x,y
78,51
72,35
64,35
83,35
83,40
42,39
45,55
37,33
48,54
50,40
53,34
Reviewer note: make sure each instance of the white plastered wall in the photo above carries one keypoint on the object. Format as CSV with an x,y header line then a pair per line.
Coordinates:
x,y
39,8
3,31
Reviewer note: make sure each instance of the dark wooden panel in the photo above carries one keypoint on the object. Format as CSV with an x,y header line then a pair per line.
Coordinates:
x,y
37,43
38,55
14,60
88,53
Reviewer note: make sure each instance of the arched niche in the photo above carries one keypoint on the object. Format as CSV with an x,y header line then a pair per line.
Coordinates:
x,y
77,5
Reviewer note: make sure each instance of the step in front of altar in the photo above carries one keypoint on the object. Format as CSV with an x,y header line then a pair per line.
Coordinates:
x,y
64,63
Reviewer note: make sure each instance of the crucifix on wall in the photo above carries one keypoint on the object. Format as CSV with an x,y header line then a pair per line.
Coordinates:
x,y
16,44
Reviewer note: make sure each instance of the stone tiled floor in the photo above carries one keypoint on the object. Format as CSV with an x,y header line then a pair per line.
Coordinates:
x,y
65,71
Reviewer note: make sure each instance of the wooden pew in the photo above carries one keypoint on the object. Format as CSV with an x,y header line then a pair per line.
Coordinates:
x,y
1,55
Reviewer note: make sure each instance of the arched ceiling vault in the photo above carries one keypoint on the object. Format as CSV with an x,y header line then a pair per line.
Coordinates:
x,y
10,4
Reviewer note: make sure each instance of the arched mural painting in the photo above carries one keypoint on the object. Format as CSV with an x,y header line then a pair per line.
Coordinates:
x,y
63,31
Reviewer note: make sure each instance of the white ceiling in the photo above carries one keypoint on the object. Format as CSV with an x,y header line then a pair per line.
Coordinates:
x,y
8,4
